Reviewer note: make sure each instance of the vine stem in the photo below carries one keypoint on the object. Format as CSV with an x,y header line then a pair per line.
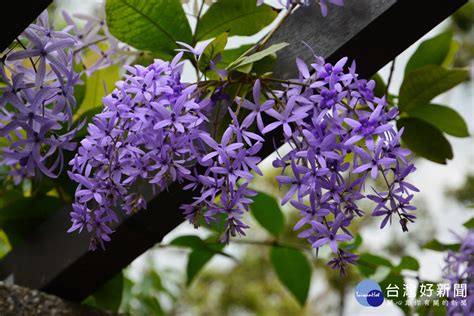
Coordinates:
x,y
392,70
31,59
276,243
90,44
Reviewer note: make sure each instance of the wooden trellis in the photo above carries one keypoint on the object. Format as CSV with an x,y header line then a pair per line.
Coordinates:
x,y
372,32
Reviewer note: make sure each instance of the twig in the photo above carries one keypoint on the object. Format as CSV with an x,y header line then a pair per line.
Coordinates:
x,y
392,70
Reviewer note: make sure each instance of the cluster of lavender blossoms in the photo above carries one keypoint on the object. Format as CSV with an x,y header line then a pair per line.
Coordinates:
x,y
156,129
340,136
459,271
306,3
153,127
37,103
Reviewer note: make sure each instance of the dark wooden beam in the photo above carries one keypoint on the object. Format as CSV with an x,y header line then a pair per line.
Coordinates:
x,y
371,31
17,15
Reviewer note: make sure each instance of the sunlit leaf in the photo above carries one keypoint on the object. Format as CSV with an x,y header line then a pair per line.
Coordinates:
x,y
153,25
431,52
241,17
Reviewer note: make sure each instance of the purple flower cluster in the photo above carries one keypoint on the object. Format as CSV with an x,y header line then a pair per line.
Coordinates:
x,y
226,163
145,131
340,136
37,101
157,129
459,271
153,130
306,3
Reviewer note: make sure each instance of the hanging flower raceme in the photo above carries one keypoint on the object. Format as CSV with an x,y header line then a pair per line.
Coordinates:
x,y
37,101
459,272
340,136
37,104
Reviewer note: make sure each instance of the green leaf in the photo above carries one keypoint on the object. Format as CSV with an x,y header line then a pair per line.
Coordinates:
x,y
293,271
368,263
352,245
469,224
196,243
421,85
265,65
153,25
245,60
431,52
443,117
230,55
80,92
95,88
425,140
451,57
109,295
197,260
268,214
438,246
407,263
380,86
241,17
211,51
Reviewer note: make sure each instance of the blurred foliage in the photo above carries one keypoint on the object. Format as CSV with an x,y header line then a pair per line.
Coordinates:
x,y
465,192
462,21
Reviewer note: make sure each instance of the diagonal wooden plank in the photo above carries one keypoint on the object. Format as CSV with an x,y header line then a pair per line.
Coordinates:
x,y
371,31
22,13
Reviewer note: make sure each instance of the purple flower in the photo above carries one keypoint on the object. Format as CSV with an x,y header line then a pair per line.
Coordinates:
x,y
328,235
257,108
290,114
459,272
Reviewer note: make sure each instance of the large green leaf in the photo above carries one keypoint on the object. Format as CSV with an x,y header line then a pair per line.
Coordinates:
x,y
425,140
268,214
443,117
422,85
293,271
212,50
197,260
95,88
153,25
431,52
240,17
